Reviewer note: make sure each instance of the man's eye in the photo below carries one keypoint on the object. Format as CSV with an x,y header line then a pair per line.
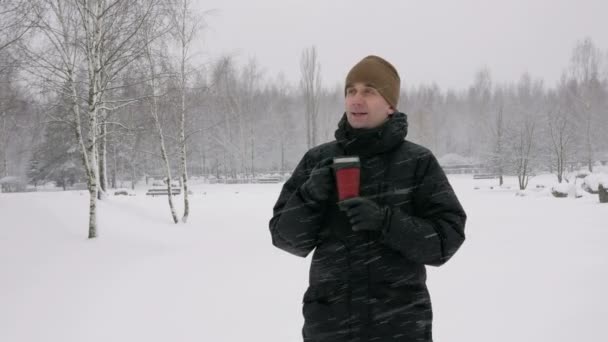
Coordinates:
x,y
350,91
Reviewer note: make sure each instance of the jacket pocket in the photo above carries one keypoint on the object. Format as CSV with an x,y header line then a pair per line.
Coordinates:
x,y
325,311
403,311
398,195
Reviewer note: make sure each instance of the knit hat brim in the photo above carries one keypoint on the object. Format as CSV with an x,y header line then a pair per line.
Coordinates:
x,y
378,73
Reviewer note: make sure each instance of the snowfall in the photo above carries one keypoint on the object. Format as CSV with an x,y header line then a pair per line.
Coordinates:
x,y
532,268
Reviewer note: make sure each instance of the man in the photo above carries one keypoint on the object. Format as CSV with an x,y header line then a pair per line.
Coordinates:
x,y
368,275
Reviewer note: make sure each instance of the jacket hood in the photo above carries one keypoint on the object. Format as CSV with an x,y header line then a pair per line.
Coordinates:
x,y
371,141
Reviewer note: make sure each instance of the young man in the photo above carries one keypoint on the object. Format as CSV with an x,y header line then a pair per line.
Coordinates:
x,y
368,276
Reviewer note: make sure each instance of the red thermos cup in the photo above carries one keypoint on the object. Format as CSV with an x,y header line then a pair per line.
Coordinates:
x,y
348,172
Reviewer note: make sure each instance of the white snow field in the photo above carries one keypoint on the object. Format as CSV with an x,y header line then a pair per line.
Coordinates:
x,y
533,268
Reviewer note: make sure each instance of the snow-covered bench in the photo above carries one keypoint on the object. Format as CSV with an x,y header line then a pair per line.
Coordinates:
x,y
484,176
124,192
163,191
268,180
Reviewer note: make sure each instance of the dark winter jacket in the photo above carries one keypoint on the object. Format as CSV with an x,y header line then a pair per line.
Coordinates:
x,y
371,285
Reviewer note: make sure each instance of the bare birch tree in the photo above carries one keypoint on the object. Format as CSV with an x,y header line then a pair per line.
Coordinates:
x,y
561,133
499,156
57,64
310,84
17,18
96,38
151,57
528,106
186,27
524,141
585,65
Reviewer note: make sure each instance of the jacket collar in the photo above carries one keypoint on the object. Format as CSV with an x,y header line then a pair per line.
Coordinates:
x,y
367,142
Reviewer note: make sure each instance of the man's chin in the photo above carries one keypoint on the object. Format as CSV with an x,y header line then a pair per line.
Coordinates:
x,y
358,124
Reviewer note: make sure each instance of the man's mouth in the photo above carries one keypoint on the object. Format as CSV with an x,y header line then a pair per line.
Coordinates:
x,y
358,113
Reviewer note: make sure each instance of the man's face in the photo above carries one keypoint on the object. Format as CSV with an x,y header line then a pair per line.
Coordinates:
x,y
365,107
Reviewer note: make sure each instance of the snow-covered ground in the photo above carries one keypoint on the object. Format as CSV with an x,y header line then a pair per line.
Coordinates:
x,y
533,268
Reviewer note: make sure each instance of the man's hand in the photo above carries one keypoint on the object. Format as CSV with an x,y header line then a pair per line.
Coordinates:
x,y
364,214
320,185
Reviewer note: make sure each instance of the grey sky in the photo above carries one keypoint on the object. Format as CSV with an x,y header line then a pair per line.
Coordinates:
x,y
441,41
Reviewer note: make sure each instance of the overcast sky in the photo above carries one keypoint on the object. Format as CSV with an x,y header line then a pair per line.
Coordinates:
x,y
427,40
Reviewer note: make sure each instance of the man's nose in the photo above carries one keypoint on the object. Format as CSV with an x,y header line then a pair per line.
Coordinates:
x,y
357,99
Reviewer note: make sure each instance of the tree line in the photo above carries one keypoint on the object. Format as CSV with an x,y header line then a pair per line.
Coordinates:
x,y
105,92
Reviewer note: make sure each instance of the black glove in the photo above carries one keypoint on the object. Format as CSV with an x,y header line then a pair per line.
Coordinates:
x,y
320,184
365,214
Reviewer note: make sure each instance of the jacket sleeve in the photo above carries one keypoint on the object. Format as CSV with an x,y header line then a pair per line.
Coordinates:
x,y
296,220
436,232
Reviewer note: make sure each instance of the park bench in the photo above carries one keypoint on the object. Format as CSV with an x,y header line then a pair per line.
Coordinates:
x,y
163,191
268,180
484,176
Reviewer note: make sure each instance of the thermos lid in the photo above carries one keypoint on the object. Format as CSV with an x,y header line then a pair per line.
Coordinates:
x,y
345,162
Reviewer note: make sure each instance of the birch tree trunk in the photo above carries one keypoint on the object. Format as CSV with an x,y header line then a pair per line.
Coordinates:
x,y
4,146
311,86
499,145
154,113
88,158
185,27
524,150
182,128
103,155
80,37
560,134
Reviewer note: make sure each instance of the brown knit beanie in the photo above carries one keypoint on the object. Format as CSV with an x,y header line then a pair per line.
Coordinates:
x,y
378,73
